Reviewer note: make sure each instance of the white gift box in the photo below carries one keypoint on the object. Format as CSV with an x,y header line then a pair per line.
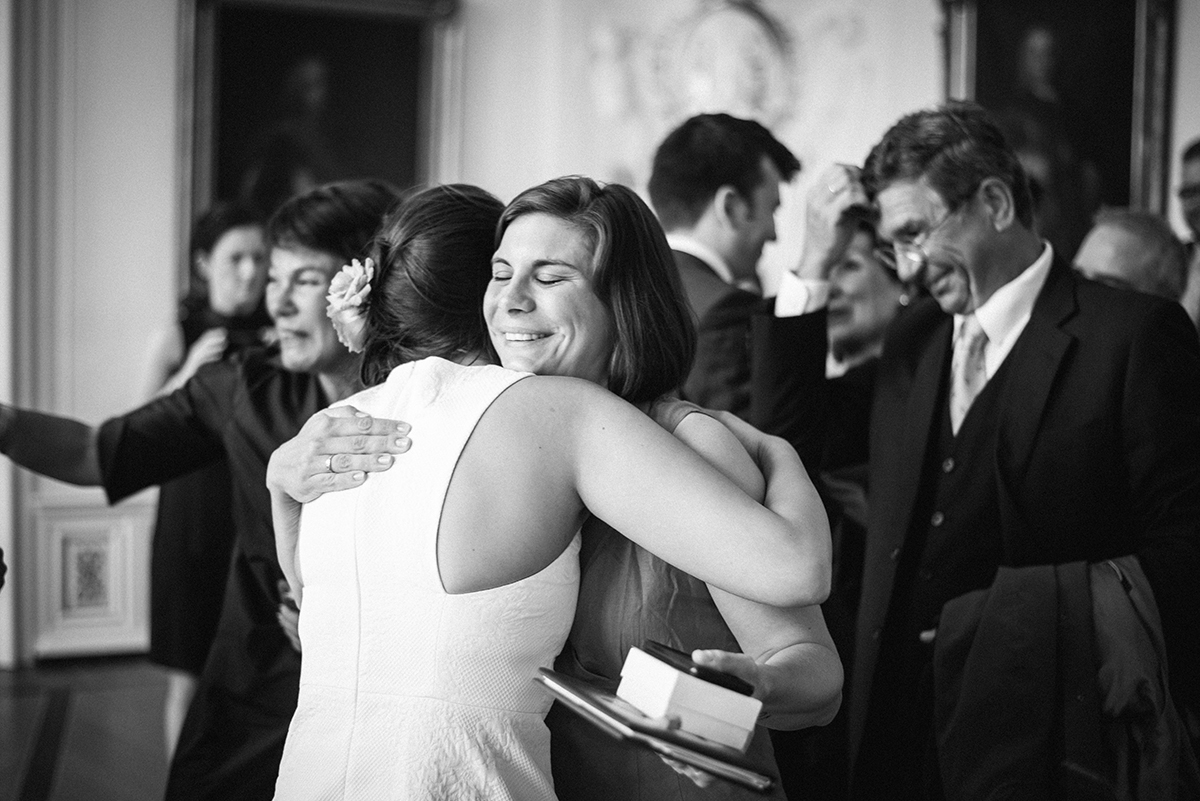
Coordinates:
x,y
701,708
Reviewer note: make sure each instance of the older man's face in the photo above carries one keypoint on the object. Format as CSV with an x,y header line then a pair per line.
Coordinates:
x,y
934,245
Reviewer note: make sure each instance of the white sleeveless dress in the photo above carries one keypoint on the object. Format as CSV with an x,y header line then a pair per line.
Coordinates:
x,y
406,691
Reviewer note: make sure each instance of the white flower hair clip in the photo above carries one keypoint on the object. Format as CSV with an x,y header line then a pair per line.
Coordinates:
x,y
348,294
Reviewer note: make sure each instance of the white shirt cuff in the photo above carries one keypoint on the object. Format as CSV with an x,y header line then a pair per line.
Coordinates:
x,y
798,296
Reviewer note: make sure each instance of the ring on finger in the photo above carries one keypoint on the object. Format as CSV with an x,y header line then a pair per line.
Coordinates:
x,y
833,190
329,463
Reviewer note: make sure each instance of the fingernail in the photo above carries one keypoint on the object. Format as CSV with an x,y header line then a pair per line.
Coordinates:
x,y
384,458
358,475
361,414
403,443
403,428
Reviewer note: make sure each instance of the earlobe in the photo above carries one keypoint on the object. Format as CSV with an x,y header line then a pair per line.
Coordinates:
x,y
201,264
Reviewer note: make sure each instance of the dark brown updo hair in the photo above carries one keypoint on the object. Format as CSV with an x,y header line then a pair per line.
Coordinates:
x,y
432,266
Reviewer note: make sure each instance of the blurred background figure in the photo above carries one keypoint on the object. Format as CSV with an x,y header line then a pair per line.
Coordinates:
x,y
1134,250
1189,199
221,314
715,185
864,296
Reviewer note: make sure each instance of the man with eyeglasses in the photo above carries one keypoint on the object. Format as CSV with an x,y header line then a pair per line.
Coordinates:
x,y
1023,416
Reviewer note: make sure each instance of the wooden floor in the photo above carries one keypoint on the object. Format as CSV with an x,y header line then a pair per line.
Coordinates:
x,y
83,730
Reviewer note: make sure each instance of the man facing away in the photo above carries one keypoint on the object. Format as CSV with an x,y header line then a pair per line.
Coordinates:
x,y
715,187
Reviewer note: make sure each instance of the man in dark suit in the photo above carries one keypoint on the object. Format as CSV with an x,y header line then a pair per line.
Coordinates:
x,y
715,188
1022,415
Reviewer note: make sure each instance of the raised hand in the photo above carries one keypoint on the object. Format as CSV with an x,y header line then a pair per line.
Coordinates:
x,y
828,221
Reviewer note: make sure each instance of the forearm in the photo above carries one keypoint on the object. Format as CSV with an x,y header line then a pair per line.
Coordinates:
x,y
789,657
285,518
802,686
56,447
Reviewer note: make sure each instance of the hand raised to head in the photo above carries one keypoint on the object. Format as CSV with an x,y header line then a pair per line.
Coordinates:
x,y
828,228
335,450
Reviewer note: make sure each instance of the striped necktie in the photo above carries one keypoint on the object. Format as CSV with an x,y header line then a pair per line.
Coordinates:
x,y
967,373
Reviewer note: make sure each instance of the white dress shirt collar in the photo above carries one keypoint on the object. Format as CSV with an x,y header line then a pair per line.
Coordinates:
x,y
1004,315
693,247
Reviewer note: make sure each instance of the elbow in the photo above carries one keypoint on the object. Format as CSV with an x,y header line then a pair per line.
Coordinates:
x,y
824,694
825,715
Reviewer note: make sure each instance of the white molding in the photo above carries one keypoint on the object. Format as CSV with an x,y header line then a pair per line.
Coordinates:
x,y
8,514
444,129
92,596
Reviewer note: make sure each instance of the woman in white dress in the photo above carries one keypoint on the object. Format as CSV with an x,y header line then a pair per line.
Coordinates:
x,y
432,593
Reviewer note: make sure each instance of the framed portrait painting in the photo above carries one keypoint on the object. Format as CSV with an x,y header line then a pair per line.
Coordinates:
x,y
289,94
1081,91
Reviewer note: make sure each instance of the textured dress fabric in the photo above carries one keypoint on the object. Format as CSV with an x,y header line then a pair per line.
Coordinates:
x,y
407,691
628,595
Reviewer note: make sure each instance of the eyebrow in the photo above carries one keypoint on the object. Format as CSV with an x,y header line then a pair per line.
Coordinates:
x,y
540,263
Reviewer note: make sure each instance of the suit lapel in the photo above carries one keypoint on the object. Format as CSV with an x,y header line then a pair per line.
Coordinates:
x,y
1036,358
919,414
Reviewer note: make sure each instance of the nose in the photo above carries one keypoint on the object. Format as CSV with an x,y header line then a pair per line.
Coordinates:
x,y
516,296
279,300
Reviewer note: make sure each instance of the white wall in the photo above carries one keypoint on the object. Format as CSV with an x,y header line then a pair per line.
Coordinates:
x,y
1186,102
118,241
576,86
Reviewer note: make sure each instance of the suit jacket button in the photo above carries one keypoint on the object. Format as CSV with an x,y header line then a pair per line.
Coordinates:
x,y
937,519
875,634
895,554
948,464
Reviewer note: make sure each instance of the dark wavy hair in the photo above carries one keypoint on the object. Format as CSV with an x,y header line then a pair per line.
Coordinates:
x,y
338,218
634,276
703,154
955,147
433,264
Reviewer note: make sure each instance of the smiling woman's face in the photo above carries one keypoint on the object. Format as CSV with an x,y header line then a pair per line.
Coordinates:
x,y
542,313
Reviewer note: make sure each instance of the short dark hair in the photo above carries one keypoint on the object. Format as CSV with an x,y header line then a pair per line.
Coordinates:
x,y
432,268
634,276
219,219
1192,151
1163,256
955,147
705,153
338,218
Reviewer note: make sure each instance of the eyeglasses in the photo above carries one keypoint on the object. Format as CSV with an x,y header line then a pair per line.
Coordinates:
x,y
906,258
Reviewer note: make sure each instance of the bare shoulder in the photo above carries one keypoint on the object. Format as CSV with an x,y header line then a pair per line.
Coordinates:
x,y
563,399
